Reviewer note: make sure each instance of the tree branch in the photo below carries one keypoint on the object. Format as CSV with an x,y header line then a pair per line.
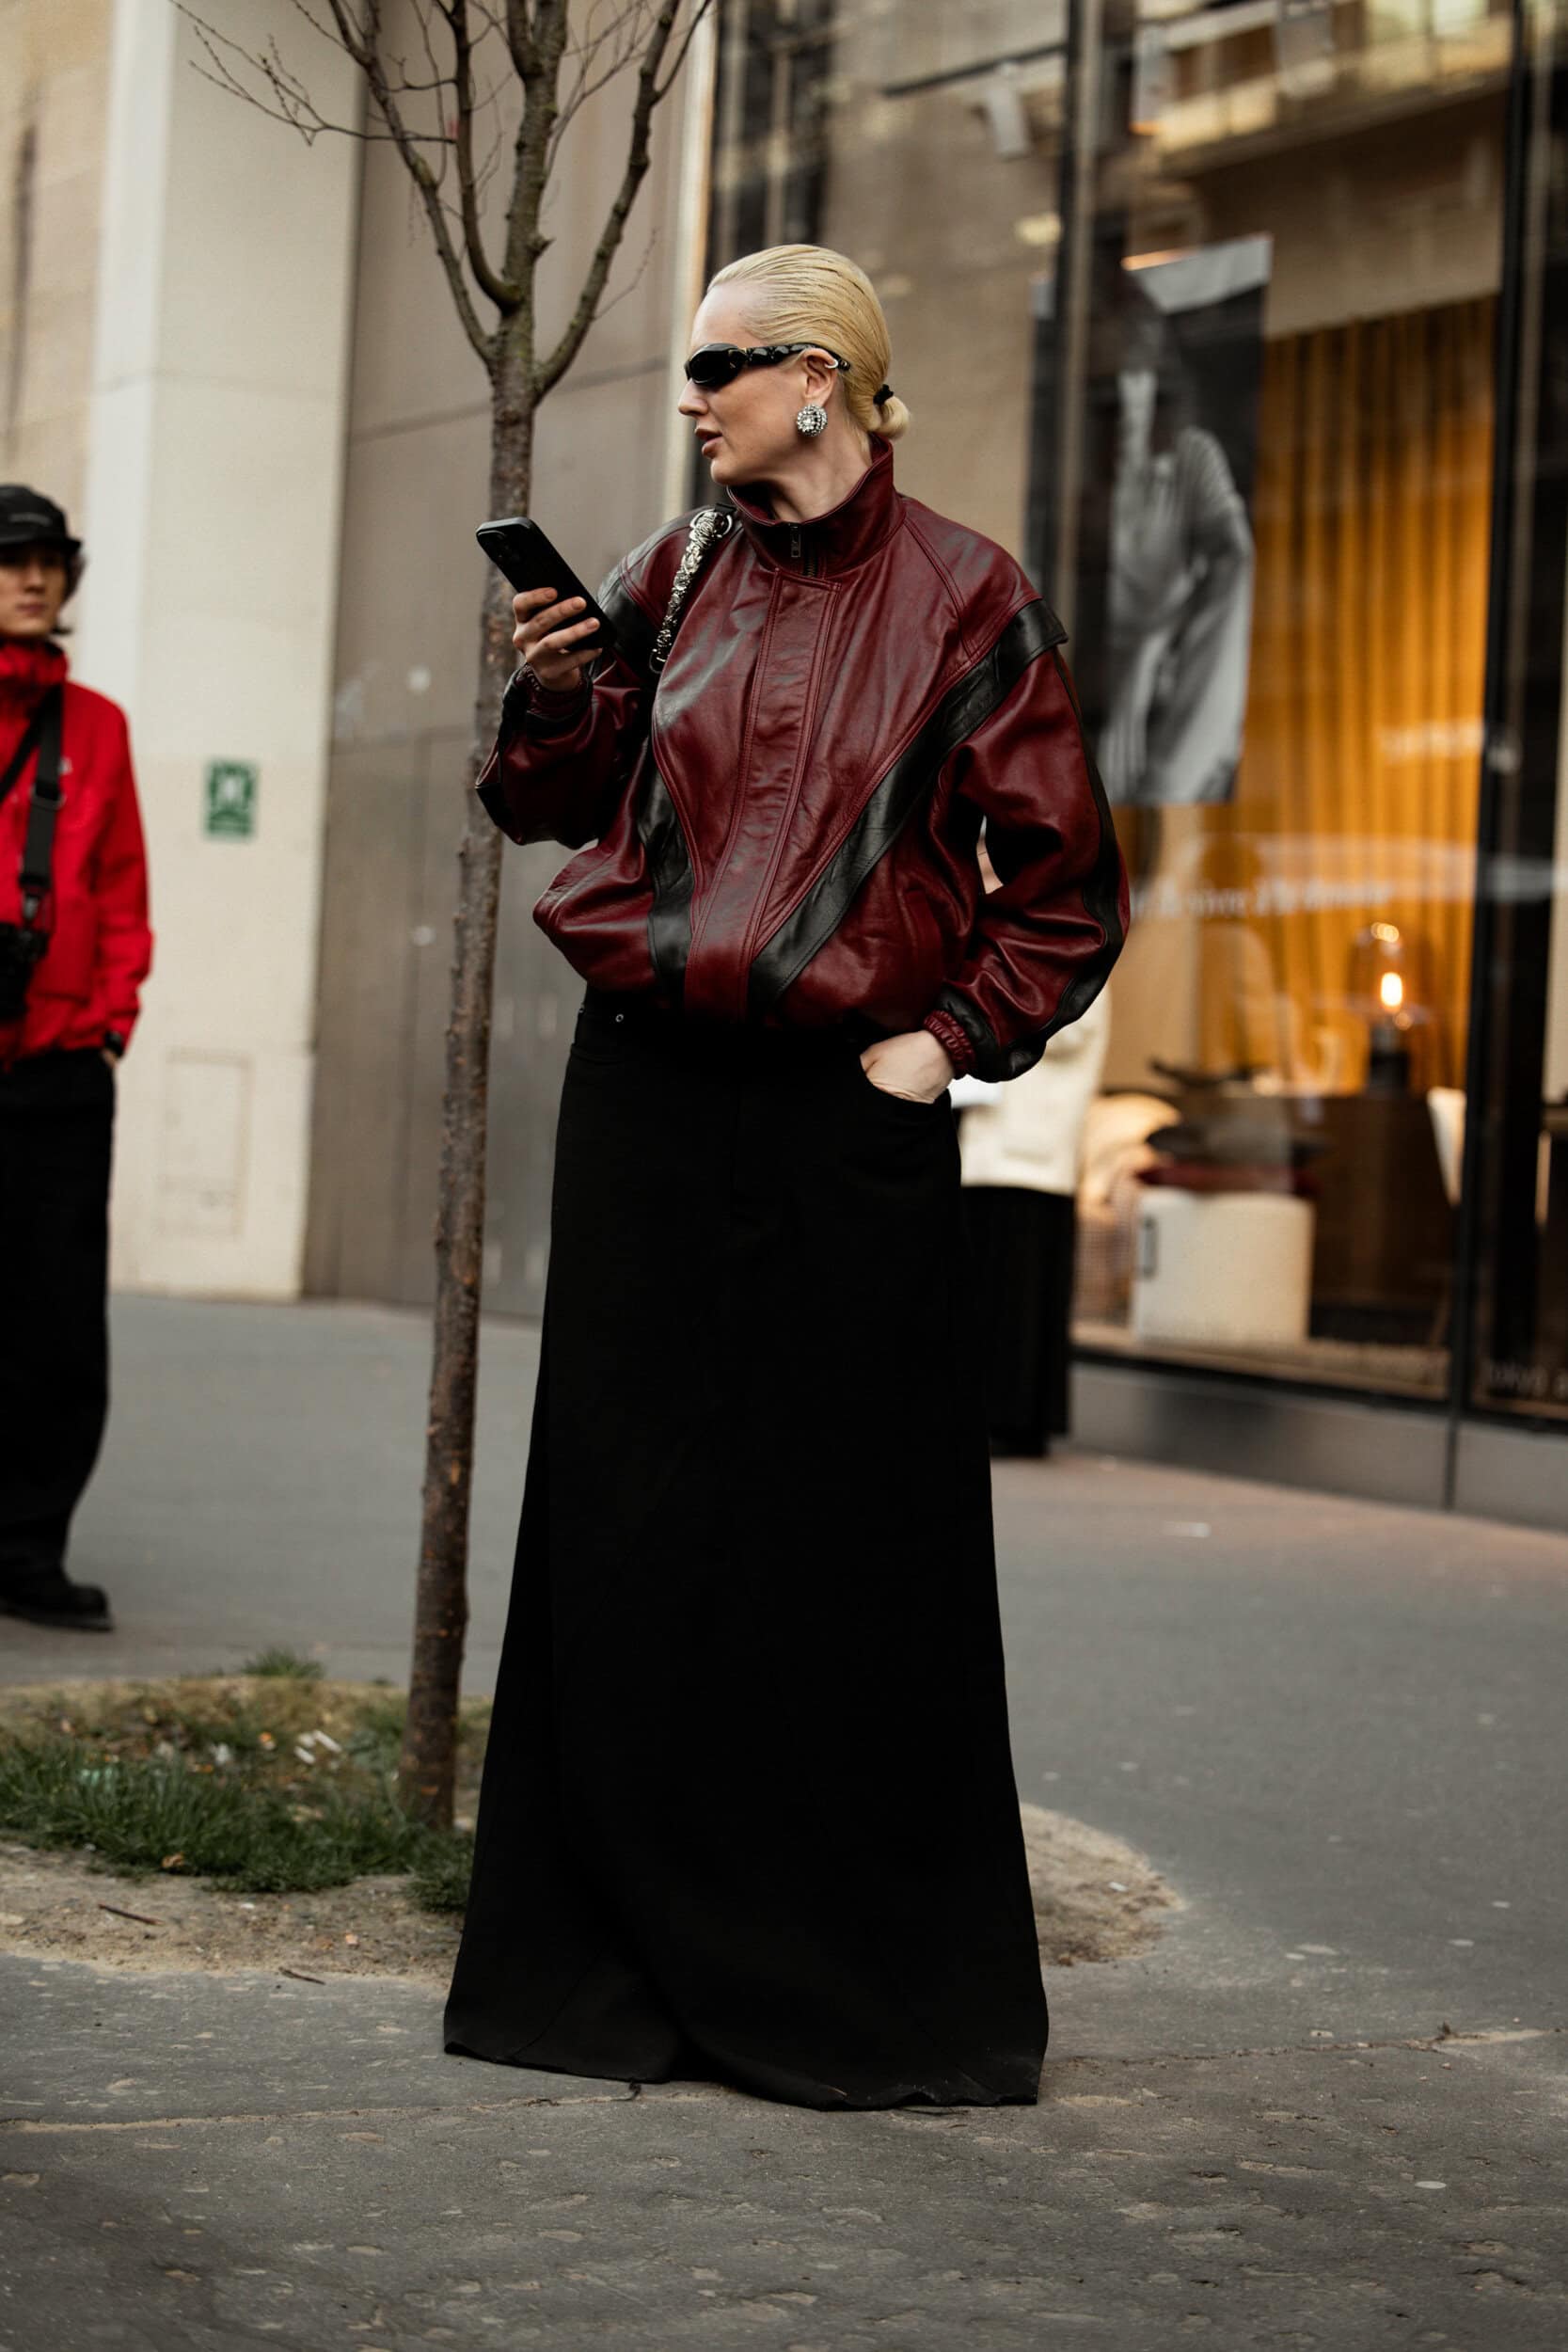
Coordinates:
x,y
520,39
294,105
531,149
503,291
586,83
634,280
673,74
649,92
363,45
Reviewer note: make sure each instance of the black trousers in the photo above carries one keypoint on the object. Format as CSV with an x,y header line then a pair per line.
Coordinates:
x,y
57,1122
748,1809
1023,1251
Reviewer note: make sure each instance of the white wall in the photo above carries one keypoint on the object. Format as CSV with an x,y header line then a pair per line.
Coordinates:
x,y
212,515
54,97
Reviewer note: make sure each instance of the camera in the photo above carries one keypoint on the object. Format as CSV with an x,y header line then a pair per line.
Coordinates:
x,y
21,948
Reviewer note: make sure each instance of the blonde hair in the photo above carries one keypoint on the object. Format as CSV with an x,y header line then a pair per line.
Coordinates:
x,y
797,294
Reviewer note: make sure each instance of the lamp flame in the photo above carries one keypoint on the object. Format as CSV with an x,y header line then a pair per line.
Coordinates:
x,y
1391,989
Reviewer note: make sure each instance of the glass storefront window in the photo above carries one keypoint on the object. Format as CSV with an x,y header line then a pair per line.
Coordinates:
x,y
1280,549
925,144
1198,312
1517,1199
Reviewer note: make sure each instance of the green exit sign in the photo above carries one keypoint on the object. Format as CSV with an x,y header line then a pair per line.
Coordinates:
x,y
230,799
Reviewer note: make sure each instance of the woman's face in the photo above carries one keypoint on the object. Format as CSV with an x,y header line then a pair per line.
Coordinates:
x,y
745,431
33,584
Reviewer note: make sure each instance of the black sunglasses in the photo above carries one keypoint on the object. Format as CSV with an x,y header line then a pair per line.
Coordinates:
x,y
718,364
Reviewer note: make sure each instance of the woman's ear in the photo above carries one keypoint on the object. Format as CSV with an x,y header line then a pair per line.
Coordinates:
x,y
821,379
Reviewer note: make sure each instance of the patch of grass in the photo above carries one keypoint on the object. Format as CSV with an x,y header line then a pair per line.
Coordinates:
x,y
268,1785
287,1664
154,1814
377,1734
442,1872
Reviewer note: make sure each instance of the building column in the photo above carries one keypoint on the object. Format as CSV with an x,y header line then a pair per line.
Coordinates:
x,y
216,445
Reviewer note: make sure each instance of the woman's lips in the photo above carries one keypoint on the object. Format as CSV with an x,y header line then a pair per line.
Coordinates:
x,y
710,440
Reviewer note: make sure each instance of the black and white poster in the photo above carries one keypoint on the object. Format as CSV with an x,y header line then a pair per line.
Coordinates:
x,y
1163,602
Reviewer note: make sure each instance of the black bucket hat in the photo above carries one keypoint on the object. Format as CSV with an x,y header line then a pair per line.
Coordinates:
x,y
28,520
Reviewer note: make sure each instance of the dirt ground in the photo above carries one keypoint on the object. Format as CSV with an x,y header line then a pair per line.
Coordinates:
x,y
1094,1898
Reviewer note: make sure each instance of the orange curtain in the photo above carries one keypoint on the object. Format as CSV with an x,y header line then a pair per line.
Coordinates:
x,y
1357,797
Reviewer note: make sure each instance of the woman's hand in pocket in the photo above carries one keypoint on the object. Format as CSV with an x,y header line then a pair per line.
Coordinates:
x,y
912,1064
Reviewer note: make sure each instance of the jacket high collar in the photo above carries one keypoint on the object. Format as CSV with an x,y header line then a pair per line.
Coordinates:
x,y
845,536
27,666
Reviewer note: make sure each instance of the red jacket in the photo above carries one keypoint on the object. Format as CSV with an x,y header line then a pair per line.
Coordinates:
x,y
784,824
87,983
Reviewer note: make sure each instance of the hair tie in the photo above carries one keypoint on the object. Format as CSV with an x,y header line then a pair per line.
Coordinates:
x,y
884,395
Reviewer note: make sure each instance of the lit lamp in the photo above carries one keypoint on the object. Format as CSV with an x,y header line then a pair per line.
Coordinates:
x,y
1390,987
1388,1045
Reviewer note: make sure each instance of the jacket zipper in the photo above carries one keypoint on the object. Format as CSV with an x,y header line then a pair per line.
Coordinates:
x,y
807,562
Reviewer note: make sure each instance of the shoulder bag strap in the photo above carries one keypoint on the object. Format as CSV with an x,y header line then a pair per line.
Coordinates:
x,y
709,525
37,849
26,749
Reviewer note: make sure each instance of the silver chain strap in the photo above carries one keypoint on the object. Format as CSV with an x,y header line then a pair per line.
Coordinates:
x,y
708,526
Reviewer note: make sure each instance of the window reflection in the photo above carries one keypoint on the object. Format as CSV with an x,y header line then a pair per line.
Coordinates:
x,y
1280,521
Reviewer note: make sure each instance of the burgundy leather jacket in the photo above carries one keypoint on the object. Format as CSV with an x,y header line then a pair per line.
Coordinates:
x,y
783,823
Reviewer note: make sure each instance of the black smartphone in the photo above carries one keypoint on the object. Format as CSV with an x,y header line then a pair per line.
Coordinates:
x,y
523,554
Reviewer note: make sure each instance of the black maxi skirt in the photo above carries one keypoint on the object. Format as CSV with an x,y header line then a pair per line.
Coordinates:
x,y
749,1811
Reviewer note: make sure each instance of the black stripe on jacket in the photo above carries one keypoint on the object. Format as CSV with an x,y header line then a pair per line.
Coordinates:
x,y
1033,631
669,866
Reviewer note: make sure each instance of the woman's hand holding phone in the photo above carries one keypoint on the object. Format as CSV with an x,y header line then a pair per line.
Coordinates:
x,y
550,643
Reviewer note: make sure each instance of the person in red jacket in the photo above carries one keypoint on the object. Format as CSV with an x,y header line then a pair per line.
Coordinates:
x,y
74,949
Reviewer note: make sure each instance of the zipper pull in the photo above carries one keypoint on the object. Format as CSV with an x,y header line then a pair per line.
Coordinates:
x,y
795,543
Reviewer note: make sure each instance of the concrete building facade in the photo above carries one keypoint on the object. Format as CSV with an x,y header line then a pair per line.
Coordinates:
x,y
234,356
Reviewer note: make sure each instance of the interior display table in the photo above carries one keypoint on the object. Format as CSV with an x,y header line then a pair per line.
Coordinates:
x,y
1383,1248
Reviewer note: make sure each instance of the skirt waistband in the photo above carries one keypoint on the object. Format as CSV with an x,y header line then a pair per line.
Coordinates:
x,y
712,1041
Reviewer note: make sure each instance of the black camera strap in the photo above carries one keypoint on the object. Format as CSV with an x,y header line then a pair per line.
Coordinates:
x,y
37,849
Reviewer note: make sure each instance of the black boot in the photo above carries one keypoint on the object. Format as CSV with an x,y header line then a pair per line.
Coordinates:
x,y
54,1599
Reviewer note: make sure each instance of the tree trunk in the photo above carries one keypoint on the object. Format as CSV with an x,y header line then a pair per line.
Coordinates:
x,y
428,1762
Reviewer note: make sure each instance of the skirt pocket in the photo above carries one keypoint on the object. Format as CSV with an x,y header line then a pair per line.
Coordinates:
x,y
602,1037
903,1104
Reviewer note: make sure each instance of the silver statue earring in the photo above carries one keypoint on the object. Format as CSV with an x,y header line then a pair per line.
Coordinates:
x,y
812,419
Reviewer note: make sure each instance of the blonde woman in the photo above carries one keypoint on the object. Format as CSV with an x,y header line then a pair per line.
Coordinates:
x,y
748,1809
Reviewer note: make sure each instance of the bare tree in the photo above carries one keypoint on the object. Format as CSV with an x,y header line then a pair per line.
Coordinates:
x,y
447,98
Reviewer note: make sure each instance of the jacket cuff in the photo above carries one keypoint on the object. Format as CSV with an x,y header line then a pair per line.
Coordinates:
x,y
948,1033
540,710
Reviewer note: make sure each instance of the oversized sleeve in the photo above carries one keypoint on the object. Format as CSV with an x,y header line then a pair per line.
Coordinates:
x,y
123,951
560,763
1044,942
